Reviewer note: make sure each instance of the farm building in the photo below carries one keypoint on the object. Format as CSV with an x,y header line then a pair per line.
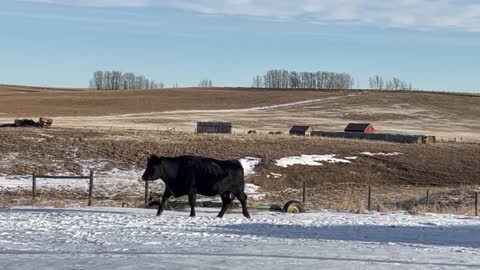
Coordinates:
x,y
301,130
360,128
214,127
399,138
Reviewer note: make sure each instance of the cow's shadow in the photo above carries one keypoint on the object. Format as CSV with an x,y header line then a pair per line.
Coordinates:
x,y
461,236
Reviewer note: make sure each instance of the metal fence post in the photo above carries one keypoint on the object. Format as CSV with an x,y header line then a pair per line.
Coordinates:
x,y
146,194
476,202
304,197
34,188
90,188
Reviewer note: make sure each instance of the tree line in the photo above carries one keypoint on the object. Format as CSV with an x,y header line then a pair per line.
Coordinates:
x,y
378,83
279,78
314,80
117,80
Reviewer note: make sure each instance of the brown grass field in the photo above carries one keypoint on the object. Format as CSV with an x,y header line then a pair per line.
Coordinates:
x,y
123,127
446,115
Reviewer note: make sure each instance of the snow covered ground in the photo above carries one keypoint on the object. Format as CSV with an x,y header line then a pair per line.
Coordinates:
x,y
109,183
120,238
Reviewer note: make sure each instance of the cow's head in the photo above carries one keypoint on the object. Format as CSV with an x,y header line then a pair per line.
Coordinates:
x,y
154,168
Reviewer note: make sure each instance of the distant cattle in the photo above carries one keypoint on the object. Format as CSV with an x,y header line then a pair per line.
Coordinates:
x,y
189,175
252,132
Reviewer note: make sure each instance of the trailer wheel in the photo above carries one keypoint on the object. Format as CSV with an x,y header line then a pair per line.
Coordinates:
x,y
293,207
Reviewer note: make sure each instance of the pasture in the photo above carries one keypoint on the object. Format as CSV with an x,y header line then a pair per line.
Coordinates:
x,y
449,170
446,115
113,132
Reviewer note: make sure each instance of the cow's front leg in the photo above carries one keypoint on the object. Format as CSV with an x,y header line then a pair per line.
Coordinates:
x,y
191,201
166,194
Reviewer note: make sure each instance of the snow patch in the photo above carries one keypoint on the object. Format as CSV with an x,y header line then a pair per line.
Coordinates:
x,y
135,173
249,164
253,192
33,139
380,154
309,160
7,159
46,135
275,175
15,181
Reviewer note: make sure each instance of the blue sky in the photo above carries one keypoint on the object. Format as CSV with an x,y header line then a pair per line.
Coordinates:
x,y
435,44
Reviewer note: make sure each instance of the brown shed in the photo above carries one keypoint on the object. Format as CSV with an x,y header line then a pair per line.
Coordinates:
x,y
214,127
301,130
360,128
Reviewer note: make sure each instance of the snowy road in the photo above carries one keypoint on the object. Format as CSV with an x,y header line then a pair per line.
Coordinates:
x,y
113,238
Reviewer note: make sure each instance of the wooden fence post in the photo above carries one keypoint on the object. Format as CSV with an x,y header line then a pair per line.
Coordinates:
x,y
34,188
369,198
146,194
90,188
304,197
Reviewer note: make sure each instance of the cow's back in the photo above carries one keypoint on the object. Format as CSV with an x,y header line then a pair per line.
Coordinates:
x,y
210,176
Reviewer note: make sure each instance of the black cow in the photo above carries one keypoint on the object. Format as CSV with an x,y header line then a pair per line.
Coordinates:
x,y
189,175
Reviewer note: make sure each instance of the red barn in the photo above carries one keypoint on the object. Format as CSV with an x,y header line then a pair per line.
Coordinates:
x,y
360,128
300,130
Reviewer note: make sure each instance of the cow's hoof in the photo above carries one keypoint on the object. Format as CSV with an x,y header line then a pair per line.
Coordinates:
x,y
192,215
219,216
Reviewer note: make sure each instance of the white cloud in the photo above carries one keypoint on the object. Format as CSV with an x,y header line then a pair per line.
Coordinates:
x,y
418,14
95,3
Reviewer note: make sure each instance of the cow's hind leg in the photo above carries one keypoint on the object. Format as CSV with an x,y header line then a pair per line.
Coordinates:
x,y
166,194
227,201
242,197
191,201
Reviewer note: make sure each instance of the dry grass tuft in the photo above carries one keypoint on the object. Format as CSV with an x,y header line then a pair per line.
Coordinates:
x,y
360,208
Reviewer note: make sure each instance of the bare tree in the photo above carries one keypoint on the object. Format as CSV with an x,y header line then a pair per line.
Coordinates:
x,y
205,83
397,84
376,82
97,80
258,82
